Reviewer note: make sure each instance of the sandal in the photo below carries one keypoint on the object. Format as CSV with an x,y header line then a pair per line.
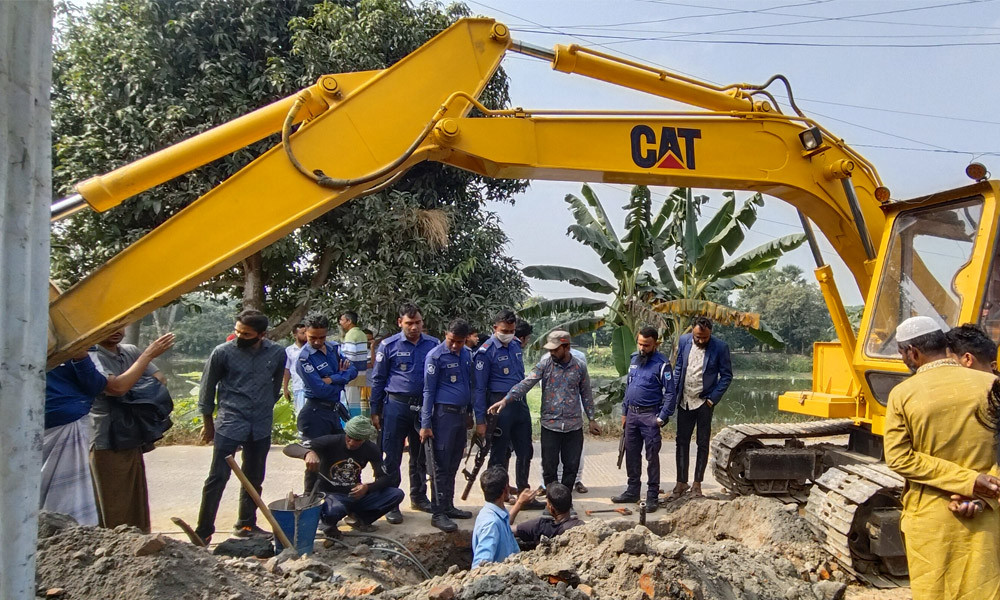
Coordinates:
x,y
678,492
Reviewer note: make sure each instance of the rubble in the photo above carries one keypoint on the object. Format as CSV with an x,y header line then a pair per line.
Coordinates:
x,y
748,548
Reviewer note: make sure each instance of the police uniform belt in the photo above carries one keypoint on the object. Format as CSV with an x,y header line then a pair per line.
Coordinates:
x,y
322,402
414,402
644,409
454,409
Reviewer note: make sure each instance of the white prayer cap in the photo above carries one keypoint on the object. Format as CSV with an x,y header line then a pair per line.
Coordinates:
x,y
915,327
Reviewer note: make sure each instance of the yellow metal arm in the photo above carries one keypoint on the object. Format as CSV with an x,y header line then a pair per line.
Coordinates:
x,y
694,150
269,198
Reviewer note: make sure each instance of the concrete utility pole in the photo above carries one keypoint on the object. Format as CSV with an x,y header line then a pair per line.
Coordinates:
x,y
25,197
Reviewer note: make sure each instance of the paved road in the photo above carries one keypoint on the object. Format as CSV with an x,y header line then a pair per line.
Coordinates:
x,y
176,475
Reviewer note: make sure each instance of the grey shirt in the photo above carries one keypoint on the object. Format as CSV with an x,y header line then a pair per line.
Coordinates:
x,y
111,363
249,383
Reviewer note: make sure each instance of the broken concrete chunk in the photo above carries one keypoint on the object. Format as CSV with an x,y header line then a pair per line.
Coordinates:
x,y
441,592
829,590
150,544
628,542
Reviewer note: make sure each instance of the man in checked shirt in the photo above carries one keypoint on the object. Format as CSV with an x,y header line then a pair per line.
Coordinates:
x,y
565,382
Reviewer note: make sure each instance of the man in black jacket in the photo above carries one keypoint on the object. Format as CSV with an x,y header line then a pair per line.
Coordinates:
x,y
339,459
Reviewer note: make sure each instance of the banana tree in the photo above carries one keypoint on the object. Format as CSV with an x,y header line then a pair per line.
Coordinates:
x,y
699,268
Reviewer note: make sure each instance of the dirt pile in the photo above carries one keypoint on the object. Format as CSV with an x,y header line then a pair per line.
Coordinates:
x,y
755,522
748,548
619,560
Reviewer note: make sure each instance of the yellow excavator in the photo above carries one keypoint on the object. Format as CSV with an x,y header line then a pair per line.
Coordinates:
x,y
351,134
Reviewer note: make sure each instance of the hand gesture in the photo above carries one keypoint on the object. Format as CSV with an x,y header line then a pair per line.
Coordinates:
x,y
344,364
496,408
526,496
312,461
623,420
709,403
160,345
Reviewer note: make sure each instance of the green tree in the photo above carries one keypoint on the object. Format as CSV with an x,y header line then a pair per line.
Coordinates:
x,y
790,304
703,264
133,76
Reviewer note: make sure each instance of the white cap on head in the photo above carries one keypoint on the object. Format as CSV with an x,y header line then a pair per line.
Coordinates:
x,y
915,327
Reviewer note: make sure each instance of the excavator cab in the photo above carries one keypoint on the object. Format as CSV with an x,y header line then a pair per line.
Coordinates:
x,y
937,259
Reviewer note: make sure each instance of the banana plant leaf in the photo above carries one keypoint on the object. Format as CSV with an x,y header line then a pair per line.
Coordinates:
x,y
622,347
561,305
602,216
610,251
724,315
637,239
570,275
760,258
575,327
768,337
581,213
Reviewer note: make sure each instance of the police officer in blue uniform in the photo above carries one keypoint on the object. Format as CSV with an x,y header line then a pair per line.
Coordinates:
x,y
324,374
649,404
397,381
499,366
447,407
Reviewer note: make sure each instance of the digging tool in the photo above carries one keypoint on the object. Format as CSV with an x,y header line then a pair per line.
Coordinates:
x,y
621,510
642,513
278,532
194,537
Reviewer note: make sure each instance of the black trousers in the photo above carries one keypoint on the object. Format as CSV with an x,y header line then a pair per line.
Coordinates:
x,y
641,430
254,460
687,422
564,446
514,423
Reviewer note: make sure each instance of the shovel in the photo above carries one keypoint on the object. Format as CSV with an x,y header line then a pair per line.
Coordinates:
x,y
289,550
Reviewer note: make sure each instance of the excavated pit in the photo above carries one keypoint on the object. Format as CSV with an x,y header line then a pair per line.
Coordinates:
x,y
747,548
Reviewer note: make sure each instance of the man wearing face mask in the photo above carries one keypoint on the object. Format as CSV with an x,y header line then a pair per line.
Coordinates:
x,y
246,374
649,404
702,375
499,366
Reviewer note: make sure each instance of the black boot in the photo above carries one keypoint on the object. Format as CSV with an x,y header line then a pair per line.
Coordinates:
x,y
394,517
457,513
627,497
442,522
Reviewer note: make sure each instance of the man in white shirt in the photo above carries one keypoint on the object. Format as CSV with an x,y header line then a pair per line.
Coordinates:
x,y
297,393
702,375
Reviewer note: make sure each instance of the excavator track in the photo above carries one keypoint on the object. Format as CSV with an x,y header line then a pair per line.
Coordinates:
x,y
729,446
839,511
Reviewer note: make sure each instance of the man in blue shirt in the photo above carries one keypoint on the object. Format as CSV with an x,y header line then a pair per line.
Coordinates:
x,y
447,404
324,374
499,366
397,380
649,404
492,537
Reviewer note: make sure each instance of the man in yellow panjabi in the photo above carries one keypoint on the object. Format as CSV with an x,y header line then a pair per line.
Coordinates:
x,y
934,440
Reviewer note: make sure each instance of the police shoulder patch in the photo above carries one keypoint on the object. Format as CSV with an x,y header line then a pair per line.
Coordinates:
x,y
308,368
379,356
431,368
479,365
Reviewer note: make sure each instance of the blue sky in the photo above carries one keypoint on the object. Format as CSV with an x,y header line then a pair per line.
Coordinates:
x,y
907,83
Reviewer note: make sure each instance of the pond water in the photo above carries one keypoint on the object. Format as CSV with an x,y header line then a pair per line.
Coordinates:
x,y
755,400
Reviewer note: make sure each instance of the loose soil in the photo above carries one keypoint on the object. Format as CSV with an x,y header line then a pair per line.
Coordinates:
x,y
748,548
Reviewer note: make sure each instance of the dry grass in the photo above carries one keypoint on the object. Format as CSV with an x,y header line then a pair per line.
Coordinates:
x,y
434,225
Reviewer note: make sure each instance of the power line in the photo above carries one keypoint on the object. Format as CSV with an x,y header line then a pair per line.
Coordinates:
x,y
679,39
